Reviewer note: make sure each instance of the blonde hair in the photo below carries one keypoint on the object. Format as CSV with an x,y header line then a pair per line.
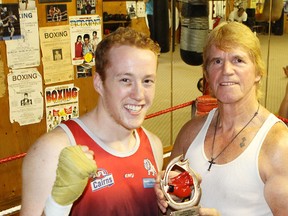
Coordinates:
x,y
228,35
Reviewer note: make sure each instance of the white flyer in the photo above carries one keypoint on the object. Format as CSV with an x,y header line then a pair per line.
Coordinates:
x,y
25,96
25,52
56,54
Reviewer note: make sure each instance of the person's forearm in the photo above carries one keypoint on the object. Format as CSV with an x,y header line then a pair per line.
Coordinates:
x,y
283,109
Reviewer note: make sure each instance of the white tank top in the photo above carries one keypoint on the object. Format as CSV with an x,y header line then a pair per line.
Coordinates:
x,y
234,188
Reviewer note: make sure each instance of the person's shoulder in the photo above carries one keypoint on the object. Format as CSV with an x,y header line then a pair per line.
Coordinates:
x,y
49,144
274,151
190,130
195,123
279,132
276,140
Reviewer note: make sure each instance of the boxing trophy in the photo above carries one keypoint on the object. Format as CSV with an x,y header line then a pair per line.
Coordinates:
x,y
183,191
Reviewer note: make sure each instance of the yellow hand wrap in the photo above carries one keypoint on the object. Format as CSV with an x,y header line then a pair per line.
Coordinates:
x,y
74,169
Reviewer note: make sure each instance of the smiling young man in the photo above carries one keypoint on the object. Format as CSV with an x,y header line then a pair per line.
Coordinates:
x,y
114,169
240,148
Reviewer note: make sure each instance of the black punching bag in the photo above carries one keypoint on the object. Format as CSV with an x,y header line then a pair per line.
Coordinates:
x,y
161,20
194,30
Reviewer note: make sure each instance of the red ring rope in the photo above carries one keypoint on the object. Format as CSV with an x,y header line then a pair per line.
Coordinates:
x,y
15,157
169,110
11,158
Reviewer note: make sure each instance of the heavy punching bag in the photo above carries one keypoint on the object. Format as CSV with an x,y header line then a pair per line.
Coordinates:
x,y
194,30
269,7
161,20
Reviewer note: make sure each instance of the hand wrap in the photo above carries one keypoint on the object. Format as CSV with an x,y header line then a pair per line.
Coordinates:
x,y
73,172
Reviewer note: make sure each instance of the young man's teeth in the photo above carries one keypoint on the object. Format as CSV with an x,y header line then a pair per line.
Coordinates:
x,y
133,108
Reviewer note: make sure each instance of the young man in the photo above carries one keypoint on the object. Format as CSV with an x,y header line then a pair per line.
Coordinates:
x,y
107,163
239,149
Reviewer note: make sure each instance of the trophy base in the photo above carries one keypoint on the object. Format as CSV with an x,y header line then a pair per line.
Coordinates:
x,y
193,211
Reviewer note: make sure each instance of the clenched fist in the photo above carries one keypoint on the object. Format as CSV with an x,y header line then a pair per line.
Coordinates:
x,y
75,166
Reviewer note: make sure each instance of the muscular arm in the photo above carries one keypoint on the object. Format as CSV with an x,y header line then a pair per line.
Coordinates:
x,y
273,169
39,171
283,110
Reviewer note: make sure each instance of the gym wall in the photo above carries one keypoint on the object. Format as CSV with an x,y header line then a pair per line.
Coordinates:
x,y
16,139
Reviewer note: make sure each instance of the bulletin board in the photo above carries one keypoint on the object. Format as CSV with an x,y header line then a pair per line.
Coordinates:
x,y
15,139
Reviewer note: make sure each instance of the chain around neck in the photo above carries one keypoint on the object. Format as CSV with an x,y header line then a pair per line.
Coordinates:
x,y
212,161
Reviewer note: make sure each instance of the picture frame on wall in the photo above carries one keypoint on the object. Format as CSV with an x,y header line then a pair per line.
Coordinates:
x,y
285,6
56,13
10,28
86,7
53,1
27,4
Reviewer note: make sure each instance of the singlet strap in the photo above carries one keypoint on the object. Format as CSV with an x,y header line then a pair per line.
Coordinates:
x,y
69,134
153,144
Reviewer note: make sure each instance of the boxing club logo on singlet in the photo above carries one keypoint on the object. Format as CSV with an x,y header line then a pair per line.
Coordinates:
x,y
149,182
149,167
103,179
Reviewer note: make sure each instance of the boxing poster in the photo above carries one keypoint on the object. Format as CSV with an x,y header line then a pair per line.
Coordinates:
x,y
2,77
86,33
56,54
25,96
61,104
28,45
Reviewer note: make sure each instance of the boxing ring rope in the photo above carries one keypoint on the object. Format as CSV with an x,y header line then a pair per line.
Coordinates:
x,y
161,112
152,115
11,158
19,156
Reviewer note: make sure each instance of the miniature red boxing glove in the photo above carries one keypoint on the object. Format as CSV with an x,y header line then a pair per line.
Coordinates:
x,y
181,185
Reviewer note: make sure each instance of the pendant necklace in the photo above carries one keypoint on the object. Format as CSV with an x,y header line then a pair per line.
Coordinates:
x,y
212,160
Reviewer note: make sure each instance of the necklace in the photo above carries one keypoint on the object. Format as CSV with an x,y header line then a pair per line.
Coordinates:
x,y
212,161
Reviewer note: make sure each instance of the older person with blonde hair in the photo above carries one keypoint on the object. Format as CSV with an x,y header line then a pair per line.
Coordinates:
x,y
240,148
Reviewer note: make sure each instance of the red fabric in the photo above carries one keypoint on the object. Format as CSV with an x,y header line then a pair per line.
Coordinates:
x,y
127,195
205,104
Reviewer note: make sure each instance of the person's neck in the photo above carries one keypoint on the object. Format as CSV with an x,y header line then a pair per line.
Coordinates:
x,y
237,114
116,137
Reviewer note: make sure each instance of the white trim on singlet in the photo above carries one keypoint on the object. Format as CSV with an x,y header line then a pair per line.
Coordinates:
x,y
98,141
153,146
69,134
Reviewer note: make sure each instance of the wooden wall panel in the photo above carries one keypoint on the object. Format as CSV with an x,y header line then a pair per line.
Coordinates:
x,y
119,7
16,139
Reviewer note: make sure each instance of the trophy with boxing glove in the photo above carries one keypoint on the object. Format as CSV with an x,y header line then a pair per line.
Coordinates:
x,y
182,191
